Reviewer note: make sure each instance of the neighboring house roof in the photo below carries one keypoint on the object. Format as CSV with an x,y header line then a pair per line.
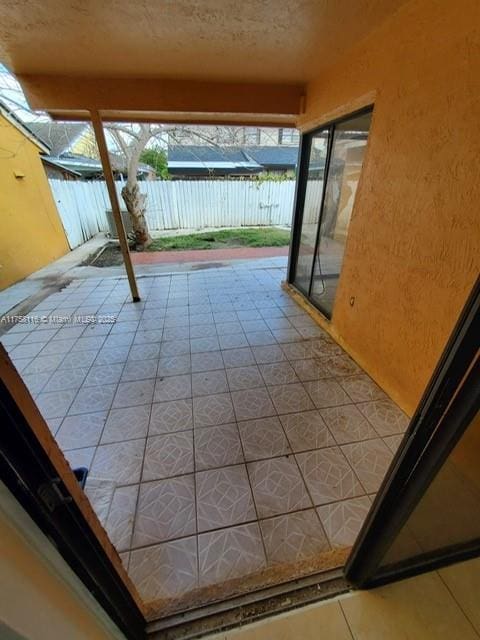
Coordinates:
x,y
272,156
59,136
87,166
251,158
55,163
209,157
23,128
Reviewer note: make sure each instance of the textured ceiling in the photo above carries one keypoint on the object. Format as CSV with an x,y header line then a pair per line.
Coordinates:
x,y
220,40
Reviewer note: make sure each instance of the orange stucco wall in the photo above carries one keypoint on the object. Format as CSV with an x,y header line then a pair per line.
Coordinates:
x,y
32,235
413,250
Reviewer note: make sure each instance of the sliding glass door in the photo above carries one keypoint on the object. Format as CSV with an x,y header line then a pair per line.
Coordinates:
x,y
331,172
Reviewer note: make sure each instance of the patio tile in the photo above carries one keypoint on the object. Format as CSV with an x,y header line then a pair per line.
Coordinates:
x,y
228,328
124,327
35,382
174,365
91,399
119,523
306,431
41,364
139,370
347,424
263,438
76,359
144,337
168,455
176,333
80,457
203,331
385,417
175,348
293,537
166,510
88,344
81,431
172,388
147,351
100,494
201,318
233,341
61,380
217,447
342,365
168,417
212,410
225,316
35,336
202,345
224,498
206,361
343,520
278,373
290,398
278,323
112,355
328,475
277,486
28,350
244,378
310,369
253,325
118,340
130,394
230,553
393,442
326,393
209,382
126,424
103,374
56,403
361,388
286,335
238,357
260,338
370,459
267,354
120,462
165,570
252,403
56,346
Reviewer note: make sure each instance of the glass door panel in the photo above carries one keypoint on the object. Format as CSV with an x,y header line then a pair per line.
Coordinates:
x,y
348,149
311,209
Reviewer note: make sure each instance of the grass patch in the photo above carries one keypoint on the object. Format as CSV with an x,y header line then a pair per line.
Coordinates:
x,y
227,238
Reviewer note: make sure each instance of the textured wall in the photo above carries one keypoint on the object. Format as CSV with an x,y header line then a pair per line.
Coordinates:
x,y
413,250
32,235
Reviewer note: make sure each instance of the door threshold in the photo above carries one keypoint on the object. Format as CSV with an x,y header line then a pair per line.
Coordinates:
x,y
248,608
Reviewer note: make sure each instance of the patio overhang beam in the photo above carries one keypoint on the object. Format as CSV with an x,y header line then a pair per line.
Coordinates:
x,y
163,100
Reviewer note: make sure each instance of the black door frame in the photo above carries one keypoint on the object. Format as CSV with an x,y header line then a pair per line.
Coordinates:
x,y
449,404
299,202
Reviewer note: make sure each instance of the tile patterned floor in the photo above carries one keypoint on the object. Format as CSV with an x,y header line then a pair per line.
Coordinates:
x,y
224,431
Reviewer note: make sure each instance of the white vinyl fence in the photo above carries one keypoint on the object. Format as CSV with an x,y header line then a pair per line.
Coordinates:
x,y
177,204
